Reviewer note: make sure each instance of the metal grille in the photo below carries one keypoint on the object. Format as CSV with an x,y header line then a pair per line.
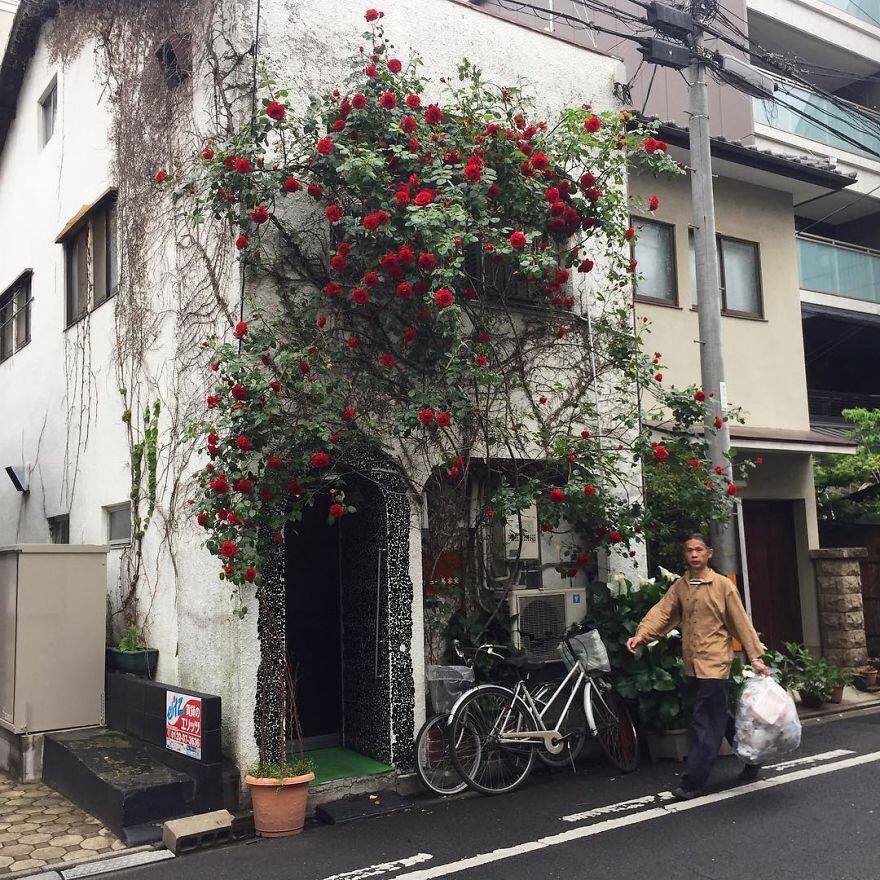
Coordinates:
x,y
541,625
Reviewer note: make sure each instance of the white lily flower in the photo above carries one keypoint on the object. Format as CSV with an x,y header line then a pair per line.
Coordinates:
x,y
748,672
666,574
673,634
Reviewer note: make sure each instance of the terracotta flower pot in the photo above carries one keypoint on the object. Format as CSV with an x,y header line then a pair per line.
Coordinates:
x,y
837,694
279,804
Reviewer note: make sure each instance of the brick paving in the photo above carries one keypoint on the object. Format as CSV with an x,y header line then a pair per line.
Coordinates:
x,y
39,827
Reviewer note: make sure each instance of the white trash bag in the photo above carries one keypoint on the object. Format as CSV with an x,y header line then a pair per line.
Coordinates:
x,y
767,723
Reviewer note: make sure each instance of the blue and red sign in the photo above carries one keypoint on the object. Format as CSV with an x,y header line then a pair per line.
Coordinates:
x,y
183,724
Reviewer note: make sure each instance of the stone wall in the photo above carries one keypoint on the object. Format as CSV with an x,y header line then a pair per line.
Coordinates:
x,y
841,617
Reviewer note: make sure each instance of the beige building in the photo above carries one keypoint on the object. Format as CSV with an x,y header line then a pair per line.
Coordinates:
x,y
763,353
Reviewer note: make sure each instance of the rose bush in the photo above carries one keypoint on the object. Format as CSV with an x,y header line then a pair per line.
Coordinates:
x,y
444,281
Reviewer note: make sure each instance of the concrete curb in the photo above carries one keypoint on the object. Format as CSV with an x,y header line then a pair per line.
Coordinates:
x,y
839,709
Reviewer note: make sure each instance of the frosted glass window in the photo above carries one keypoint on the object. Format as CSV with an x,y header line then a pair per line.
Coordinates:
x,y
655,252
740,281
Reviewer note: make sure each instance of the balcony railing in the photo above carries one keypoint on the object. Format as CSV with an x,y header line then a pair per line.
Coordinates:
x,y
818,119
843,270
866,10
826,406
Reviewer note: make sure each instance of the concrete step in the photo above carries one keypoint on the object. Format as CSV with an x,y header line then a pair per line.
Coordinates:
x,y
118,779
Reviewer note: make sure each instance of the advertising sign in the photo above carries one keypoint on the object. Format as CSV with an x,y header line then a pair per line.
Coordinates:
x,y
183,724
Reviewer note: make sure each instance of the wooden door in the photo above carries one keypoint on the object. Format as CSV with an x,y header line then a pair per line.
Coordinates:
x,y
773,571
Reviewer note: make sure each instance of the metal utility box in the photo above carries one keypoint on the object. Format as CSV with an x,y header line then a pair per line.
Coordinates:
x,y
53,600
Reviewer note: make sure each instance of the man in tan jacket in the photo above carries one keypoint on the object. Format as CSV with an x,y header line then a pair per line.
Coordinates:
x,y
708,608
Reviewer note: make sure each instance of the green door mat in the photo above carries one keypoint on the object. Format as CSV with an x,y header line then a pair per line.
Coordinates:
x,y
343,764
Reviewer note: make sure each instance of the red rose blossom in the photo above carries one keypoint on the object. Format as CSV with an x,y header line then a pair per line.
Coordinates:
x,y
388,100
700,396
413,102
275,110
719,422
160,176
260,214
243,442
275,385
242,242
517,240
228,549
250,573
614,537
388,360
207,154
239,392
334,213
360,296
291,184
212,401
372,14
658,377
424,197
433,114
660,452
358,101
331,288
394,65
404,290
426,416
731,489
443,420
243,165
371,71
353,342
337,511
443,298
320,460
348,414
653,203
592,124
245,486
557,496
241,329
324,146
427,262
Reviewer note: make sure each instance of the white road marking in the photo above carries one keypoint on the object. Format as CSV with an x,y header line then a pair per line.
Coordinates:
x,y
622,807
810,759
634,819
384,868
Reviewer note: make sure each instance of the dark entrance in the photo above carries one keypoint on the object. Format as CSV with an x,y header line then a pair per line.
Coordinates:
x,y
314,625
773,571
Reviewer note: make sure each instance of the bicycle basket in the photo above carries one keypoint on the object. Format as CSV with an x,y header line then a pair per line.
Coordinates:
x,y
588,649
446,684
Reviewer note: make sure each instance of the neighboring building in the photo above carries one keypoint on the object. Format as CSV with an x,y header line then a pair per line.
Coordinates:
x,y
81,355
763,355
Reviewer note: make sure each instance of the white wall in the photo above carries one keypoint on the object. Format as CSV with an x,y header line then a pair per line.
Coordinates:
x,y
65,380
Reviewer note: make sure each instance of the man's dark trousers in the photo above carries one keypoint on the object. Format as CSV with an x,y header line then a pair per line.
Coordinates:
x,y
711,723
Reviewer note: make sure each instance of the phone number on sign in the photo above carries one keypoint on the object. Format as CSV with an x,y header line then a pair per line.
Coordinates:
x,y
184,738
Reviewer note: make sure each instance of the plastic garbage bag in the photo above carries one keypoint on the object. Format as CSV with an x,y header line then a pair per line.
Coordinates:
x,y
767,723
446,684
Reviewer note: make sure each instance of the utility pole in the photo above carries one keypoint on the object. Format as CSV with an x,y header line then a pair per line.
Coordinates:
x,y
708,287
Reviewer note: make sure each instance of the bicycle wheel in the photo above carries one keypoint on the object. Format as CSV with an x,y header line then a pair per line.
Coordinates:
x,y
575,727
487,713
434,765
614,726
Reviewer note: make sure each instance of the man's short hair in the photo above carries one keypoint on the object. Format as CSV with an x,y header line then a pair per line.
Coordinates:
x,y
696,536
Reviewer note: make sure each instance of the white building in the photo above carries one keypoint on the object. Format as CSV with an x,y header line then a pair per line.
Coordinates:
x,y
104,301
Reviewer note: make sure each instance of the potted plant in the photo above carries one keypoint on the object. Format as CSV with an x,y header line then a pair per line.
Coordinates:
x,y
867,675
838,680
132,655
279,793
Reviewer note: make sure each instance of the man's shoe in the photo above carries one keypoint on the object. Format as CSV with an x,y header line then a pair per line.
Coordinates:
x,y
749,773
682,794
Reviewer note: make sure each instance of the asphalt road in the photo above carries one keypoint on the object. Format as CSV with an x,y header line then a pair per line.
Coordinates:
x,y
815,819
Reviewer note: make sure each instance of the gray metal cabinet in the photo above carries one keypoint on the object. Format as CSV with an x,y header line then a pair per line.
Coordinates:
x,y
53,600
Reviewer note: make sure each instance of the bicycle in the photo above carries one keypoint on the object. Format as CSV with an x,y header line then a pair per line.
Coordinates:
x,y
504,727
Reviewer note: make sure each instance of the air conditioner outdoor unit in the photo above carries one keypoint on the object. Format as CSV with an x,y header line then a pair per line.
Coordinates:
x,y
540,618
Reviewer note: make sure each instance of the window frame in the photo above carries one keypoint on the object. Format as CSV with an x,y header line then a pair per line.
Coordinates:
x,y
518,300
9,298
673,303
110,509
725,311
86,222
50,92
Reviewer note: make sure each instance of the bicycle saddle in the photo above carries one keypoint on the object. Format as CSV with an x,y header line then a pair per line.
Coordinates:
x,y
524,664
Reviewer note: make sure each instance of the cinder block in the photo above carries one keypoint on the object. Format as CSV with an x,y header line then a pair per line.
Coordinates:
x,y
191,832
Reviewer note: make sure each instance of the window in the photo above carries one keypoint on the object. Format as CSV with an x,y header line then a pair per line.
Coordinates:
x,y
15,316
175,60
655,252
59,529
499,281
739,266
91,259
48,110
119,523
